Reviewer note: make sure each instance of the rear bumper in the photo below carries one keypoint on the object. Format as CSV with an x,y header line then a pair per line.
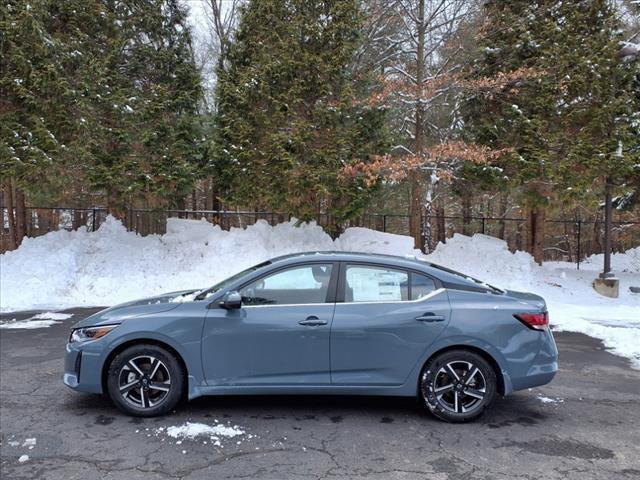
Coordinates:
x,y
543,368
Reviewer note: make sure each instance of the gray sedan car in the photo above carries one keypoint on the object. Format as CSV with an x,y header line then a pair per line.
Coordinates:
x,y
320,323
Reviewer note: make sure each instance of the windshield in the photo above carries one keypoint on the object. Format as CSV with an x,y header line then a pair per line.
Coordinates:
x,y
223,284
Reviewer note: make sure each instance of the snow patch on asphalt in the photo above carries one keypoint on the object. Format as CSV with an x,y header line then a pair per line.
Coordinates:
x,y
191,431
41,320
544,399
52,316
215,435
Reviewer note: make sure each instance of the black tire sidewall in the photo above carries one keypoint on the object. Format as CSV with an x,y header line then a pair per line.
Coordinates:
x,y
428,375
175,372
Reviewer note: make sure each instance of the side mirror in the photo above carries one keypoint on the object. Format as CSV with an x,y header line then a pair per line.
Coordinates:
x,y
231,300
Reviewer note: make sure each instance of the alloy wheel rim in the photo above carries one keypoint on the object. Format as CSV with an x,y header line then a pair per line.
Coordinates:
x,y
459,387
144,381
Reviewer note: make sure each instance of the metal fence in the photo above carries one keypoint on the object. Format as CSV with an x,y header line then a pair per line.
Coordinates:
x,y
565,239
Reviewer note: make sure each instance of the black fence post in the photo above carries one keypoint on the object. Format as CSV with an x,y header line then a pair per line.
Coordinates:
x,y
579,248
93,219
483,225
384,223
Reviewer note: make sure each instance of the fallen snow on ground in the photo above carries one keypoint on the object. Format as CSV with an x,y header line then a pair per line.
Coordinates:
x,y
52,316
191,431
66,269
214,435
544,399
41,320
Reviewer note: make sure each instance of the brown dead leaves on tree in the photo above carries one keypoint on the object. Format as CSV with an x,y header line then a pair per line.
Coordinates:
x,y
441,159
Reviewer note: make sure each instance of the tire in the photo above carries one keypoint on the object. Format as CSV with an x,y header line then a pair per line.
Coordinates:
x,y
145,381
457,386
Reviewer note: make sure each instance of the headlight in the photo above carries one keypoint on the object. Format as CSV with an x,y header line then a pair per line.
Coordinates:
x,y
90,333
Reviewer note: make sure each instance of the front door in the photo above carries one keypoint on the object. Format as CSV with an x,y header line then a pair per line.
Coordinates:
x,y
280,335
388,319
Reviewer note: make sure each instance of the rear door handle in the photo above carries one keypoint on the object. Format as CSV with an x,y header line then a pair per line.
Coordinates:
x,y
312,321
430,317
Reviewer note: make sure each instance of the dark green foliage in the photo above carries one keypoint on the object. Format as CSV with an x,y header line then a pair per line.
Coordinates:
x,y
291,111
100,93
570,120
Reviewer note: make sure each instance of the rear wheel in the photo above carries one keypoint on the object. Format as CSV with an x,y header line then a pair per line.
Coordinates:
x,y
457,386
145,380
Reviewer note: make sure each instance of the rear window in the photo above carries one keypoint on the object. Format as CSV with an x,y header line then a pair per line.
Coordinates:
x,y
421,286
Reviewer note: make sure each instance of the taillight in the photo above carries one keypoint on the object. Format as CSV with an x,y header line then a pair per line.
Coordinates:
x,y
536,321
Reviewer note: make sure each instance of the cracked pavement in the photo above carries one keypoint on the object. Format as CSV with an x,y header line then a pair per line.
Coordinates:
x,y
588,428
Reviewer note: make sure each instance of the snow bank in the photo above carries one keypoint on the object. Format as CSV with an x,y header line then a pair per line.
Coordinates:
x,y
63,269
109,266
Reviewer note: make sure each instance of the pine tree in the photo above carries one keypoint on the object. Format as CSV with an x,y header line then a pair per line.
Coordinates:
x,y
99,94
567,112
144,105
36,98
291,111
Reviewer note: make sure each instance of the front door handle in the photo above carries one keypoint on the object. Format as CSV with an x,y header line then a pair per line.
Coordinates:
x,y
430,317
312,321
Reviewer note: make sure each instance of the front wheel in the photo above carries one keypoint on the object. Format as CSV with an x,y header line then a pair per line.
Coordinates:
x,y
457,386
145,381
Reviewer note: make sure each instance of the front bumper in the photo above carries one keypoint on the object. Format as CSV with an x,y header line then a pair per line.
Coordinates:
x,y
83,368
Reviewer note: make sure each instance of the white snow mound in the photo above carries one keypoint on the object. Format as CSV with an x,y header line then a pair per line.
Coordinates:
x,y
110,266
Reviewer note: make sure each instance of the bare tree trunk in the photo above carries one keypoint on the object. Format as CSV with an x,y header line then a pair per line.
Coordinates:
x,y
21,216
415,206
116,208
8,203
79,219
465,200
536,221
208,199
415,213
427,233
504,199
441,233
519,244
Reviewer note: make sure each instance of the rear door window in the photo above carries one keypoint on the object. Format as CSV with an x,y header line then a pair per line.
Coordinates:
x,y
375,284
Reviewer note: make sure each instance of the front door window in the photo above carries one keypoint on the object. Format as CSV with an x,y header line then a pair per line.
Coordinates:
x,y
294,286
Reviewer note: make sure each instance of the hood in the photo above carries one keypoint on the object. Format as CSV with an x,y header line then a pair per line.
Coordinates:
x,y
528,298
136,308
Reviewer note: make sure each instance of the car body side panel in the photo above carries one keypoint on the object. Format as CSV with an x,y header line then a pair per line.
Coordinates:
x,y
379,343
266,345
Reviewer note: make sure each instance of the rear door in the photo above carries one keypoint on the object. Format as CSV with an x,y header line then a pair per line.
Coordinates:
x,y
384,320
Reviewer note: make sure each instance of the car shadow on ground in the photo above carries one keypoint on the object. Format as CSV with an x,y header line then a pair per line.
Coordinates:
x,y
521,409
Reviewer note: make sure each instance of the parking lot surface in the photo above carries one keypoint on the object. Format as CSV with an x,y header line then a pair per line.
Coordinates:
x,y
584,425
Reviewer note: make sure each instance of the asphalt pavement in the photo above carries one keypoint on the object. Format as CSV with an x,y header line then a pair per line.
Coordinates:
x,y
584,425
